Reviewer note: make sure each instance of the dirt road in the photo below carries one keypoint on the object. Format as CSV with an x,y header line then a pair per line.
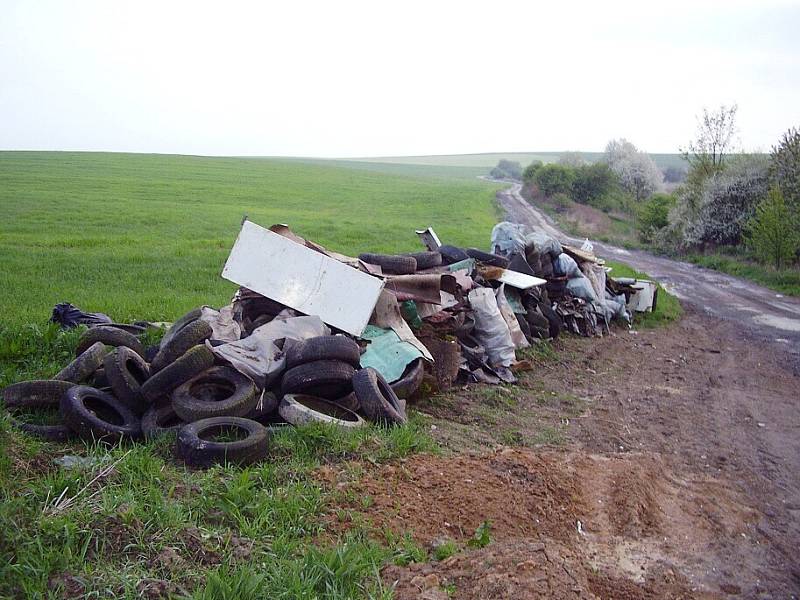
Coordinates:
x,y
760,312
655,464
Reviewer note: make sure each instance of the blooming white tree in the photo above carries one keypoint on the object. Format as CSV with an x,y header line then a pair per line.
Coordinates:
x,y
637,173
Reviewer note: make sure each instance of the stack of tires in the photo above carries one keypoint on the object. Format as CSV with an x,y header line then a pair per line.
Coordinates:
x,y
110,392
323,382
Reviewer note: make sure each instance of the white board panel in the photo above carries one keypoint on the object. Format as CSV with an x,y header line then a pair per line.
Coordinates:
x,y
520,281
302,279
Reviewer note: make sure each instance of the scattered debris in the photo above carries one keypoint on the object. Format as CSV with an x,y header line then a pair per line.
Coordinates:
x,y
316,336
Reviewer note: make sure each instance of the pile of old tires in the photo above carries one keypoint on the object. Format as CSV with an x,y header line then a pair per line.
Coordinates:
x,y
115,390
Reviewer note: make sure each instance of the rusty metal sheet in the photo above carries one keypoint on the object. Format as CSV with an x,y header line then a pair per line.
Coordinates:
x,y
424,288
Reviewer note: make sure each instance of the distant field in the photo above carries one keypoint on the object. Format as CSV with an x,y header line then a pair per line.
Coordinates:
x,y
488,160
146,236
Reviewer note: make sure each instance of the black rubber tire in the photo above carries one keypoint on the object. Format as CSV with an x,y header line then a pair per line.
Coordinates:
x,y
194,362
452,254
487,258
110,336
350,402
191,335
324,378
410,380
302,409
236,391
85,365
325,347
198,452
377,400
182,322
391,263
84,420
136,330
126,371
99,379
426,260
161,420
266,408
41,393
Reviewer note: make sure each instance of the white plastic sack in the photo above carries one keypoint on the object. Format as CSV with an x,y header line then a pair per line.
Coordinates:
x,y
544,243
565,265
258,355
224,327
580,287
508,238
491,330
511,319
596,275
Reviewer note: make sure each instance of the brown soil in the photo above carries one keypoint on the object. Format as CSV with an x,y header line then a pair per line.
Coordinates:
x,y
676,450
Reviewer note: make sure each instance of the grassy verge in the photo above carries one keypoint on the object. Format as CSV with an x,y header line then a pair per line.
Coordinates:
x,y
142,525
785,281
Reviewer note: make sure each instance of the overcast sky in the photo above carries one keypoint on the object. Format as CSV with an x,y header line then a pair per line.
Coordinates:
x,y
373,78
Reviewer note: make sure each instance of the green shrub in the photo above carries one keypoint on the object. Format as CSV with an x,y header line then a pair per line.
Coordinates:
x,y
507,169
772,233
654,215
561,201
554,179
592,182
530,171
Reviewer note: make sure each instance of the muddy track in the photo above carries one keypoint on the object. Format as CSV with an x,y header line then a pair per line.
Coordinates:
x,y
762,313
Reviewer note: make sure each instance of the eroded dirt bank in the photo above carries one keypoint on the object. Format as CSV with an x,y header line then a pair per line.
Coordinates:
x,y
676,449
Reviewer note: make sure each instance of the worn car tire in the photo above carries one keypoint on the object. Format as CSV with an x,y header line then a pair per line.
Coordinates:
x,y
191,335
110,336
377,400
85,365
160,420
80,406
136,330
194,362
487,258
426,260
302,409
99,379
323,378
410,380
199,452
350,402
126,371
179,324
41,393
452,254
217,392
325,347
391,263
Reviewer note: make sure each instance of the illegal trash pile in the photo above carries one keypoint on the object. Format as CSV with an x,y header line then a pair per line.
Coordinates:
x,y
315,336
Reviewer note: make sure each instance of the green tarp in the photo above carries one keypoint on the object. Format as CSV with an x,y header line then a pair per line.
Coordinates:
x,y
387,353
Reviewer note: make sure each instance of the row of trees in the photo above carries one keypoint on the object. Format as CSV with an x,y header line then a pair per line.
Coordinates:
x,y
622,179
730,198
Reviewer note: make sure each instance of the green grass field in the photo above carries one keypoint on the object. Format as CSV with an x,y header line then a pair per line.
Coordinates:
x,y
145,237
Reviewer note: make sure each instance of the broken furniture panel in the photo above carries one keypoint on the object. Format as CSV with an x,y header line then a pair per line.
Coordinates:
x,y
301,278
